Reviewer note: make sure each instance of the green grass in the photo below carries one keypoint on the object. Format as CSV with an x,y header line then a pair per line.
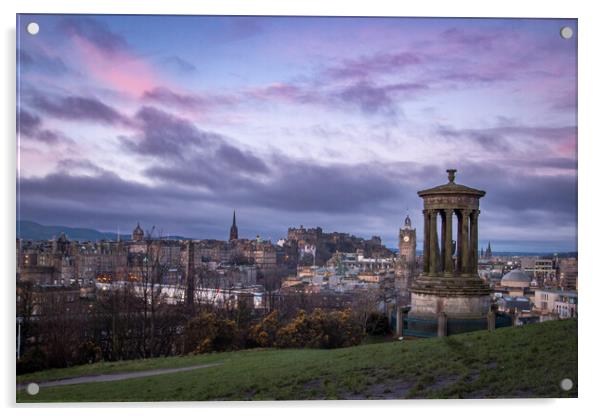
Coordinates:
x,y
527,361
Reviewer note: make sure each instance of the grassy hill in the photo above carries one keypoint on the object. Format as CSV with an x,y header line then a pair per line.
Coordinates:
x,y
527,361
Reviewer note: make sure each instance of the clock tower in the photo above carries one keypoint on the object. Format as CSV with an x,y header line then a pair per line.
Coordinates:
x,y
407,244
405,264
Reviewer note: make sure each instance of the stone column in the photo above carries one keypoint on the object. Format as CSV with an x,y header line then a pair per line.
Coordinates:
x,y
443,238
399,321
459,243
464,242
474,241
426,243
441,324
434,250
491,320
449,261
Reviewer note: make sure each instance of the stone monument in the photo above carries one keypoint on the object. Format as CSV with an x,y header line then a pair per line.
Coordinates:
x,y
449,297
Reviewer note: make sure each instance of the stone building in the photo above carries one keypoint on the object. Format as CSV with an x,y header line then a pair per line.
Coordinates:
x,y
309,235
543,270
138,233
567,270
560,303
449,297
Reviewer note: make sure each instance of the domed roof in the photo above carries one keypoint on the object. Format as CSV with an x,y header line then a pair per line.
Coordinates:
x,y
452,188
138,233
516,278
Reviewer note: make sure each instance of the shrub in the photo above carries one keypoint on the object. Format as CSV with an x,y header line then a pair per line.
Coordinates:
x,y
378,324
88,353
206,333
320,329
263,334
34,359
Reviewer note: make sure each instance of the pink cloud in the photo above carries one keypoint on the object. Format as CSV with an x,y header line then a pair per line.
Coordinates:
x,y
119,69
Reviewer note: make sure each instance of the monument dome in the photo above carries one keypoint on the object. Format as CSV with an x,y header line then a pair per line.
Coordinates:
x,y
516,278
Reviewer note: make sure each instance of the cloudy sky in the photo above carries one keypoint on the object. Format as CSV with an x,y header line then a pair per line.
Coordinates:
x,y
176,121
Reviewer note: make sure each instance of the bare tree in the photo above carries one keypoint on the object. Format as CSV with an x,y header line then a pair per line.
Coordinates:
x,y
364,304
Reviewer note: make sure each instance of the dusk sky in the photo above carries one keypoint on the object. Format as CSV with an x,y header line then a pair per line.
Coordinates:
x,y
175,121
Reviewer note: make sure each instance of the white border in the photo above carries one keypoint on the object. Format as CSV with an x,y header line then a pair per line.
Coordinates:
x,y
590,68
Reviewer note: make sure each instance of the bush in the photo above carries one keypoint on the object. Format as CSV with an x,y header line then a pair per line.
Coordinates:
x,y
378,324
263,334
320,329
88,353
33,360
206,333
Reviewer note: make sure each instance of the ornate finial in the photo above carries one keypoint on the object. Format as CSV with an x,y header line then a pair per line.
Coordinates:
x,y
451,175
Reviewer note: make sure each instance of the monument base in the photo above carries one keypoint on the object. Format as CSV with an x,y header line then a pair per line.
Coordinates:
x,y
448,305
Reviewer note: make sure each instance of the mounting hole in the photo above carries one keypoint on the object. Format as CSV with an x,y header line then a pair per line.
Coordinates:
x,y
33,28
33,389
566,32
566,384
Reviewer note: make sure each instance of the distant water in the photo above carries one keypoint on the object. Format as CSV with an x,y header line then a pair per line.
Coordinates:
x,y
516,253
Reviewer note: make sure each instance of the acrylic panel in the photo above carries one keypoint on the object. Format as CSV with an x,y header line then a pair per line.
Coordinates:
x,y
215,208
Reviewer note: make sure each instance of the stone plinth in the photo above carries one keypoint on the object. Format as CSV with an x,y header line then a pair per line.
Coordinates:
x,y
461,307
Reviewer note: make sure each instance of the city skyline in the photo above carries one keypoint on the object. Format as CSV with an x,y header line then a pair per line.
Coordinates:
x,y
331,122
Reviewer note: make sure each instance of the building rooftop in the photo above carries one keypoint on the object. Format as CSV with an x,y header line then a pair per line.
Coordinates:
x,y
559,291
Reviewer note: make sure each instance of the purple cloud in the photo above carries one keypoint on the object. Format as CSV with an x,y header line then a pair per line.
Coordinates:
x,y
77,108
500,138
473,38
375,64
179,64
243,160
39,61
94,32
30,125
165,135
372,99
168,97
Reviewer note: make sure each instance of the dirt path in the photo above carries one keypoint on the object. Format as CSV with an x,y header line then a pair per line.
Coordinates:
x,y
117,376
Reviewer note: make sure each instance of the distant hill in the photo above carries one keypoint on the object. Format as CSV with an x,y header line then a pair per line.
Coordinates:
x,y
535,254
30,230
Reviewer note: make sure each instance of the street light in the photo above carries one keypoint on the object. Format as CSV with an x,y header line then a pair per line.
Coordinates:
x,y
19,322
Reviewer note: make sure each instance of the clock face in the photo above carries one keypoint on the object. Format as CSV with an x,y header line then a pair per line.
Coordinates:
x,y
406,238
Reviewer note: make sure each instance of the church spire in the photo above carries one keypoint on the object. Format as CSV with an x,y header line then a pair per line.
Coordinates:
x,y
234,228
488,253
